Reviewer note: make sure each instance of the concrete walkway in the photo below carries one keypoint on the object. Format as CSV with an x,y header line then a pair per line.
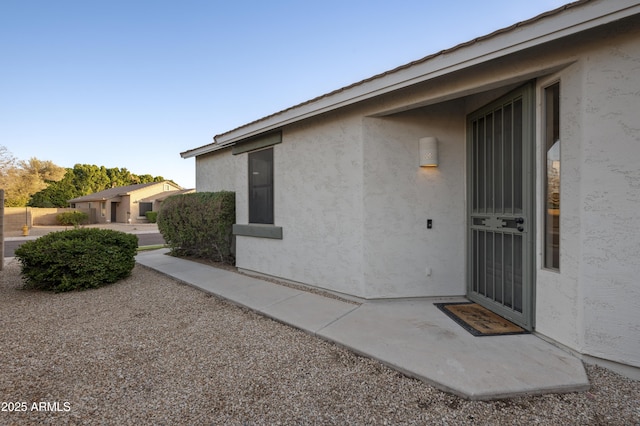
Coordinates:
x,y
412,336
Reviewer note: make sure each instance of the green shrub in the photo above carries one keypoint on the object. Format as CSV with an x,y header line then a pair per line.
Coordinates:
x,y
152,217
199,224
77,259
74,218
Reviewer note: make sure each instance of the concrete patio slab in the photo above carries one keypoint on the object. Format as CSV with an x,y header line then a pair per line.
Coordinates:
x,y
415,337
308,311
412,336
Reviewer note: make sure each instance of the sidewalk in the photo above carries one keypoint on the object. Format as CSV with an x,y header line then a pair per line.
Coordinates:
x,y
38,231
412,335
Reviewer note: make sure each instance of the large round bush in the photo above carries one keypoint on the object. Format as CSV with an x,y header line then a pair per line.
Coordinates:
x,y
77,259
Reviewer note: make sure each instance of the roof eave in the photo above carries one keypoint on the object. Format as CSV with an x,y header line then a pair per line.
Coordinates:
x,y
518,37
204,149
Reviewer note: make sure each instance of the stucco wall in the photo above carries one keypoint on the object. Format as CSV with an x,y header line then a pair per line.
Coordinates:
x,y
610,202
559,293
16,217
317,202
399,197
591,304
218,171
131,203
127,207
353,202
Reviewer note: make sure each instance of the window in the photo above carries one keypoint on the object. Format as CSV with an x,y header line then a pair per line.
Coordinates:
x,y
261,186
103,208
259,150
552,177
145,207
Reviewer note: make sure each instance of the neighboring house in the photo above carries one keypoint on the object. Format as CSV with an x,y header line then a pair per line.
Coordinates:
x,y
155,201
124,204
533,209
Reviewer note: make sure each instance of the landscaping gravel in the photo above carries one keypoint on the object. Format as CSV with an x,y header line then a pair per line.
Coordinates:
x,y
150,350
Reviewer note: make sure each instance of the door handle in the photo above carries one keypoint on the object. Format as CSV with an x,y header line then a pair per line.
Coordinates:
x,y
519,220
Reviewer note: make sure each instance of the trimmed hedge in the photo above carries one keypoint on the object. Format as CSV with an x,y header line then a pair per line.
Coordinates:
x,y
152,217
74,218
77,259
199,224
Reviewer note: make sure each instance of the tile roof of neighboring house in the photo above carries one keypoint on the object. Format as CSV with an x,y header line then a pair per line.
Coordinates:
x,y
114,192
612,10
164,195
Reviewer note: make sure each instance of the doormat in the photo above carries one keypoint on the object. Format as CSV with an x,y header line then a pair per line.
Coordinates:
x,y
478,320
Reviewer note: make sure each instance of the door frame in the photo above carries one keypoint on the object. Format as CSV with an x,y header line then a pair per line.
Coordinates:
x,y
114,212
527,318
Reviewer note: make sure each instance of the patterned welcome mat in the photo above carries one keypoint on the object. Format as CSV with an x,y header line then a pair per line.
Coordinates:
x,y
478,320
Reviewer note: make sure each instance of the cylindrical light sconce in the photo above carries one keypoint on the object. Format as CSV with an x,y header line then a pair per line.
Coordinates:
x,y
428,152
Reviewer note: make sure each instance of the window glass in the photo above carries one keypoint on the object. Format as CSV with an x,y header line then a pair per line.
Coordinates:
x,y
145,207
261,186
552,177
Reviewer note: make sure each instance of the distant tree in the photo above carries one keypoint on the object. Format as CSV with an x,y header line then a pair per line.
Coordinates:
x,y
7,163
57,194
7,160
85,179
88,179
20,181
149,178
120,177
45,170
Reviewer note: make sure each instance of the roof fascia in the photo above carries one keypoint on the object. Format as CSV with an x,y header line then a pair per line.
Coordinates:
x,y
517,38
203,150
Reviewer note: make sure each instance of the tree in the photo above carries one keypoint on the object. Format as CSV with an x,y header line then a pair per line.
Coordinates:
x,y
149,178
20,181
88,178
7,163
38,183
57,194
44,171
119,177
85,179
7,160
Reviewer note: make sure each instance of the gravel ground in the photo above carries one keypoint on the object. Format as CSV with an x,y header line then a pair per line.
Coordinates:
x,y
149,350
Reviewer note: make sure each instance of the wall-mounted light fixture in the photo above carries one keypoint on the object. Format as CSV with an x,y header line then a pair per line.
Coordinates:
x,y
428,152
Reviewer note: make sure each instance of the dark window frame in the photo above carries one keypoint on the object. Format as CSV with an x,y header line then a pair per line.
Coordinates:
x,y
141,211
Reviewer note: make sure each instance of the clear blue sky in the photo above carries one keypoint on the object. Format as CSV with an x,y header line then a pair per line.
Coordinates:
x,y
132,83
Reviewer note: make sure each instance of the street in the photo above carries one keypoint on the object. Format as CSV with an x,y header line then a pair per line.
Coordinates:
x,y
143,240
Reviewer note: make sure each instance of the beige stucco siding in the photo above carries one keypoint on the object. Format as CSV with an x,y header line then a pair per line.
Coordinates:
x,y
123,206
129,207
